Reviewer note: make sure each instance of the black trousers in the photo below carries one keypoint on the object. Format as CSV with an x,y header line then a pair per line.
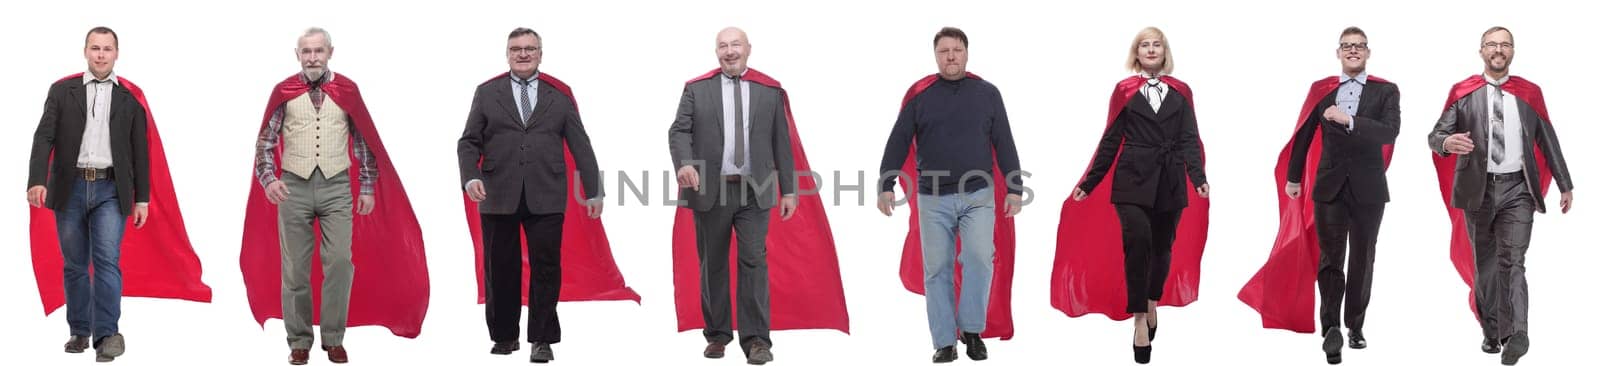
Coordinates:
x,y
1341,221
502,274
737,212
1500,229
1146,252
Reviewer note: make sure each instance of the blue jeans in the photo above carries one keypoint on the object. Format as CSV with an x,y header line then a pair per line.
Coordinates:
x,y
942,217
89,227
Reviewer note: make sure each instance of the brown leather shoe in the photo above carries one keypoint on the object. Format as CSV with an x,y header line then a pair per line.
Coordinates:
x,y
715,350
77,344
299,356
336,354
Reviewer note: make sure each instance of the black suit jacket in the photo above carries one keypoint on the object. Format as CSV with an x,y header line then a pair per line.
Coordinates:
x,y
524,162
1470,114
60,133
1159,149
1351,159
695,139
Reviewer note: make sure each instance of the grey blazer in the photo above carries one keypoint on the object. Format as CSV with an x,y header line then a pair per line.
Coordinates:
x,y
1468,115
695,139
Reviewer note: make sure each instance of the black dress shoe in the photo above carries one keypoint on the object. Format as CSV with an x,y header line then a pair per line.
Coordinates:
x,y
76,344
715,350
1141,354
542,353
945,355
1357,341
1332,344
975,348
1490,345
505,348
1516,347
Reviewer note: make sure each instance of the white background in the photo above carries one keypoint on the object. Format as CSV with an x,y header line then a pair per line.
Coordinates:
x,y
207,69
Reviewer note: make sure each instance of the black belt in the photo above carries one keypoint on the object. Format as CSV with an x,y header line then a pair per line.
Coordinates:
x,y
1506,177
732,178
94,174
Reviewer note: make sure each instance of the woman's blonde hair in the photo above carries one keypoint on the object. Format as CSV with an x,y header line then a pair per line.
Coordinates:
x,y
1133,50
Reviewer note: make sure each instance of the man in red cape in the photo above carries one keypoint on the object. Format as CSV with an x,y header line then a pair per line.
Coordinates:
x,y
1359,124
971,149
155,259
1493,142
383,237
1088,275
804,285
518,121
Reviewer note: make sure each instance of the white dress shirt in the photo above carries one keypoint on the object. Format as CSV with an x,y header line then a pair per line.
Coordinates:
x,y
1512,162
96,149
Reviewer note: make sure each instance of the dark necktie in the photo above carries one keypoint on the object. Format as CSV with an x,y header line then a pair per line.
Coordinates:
x,y
527,107
738,123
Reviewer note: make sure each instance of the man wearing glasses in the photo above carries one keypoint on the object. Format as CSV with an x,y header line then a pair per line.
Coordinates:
x,y
1495,186
513,167
1347,127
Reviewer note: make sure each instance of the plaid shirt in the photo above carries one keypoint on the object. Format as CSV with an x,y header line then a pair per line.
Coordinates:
x,y
267,143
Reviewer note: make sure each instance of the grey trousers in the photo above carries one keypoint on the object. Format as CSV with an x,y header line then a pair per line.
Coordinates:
x,y
736,212
325,201
1500,229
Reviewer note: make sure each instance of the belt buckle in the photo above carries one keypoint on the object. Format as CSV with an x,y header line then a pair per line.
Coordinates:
x,y
89,174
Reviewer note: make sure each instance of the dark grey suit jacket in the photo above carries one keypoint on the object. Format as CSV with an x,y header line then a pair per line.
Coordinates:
x,y
695,138
1469,114
61,132
524,162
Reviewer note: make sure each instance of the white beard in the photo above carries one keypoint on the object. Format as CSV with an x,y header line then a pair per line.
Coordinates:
x,y
314,74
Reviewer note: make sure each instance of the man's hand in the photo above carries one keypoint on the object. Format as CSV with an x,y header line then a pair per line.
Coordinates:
x,y
36,196
1566,201
788,206
1013,204
141,214
594,207
364,204
475,191
688,177
1337,115
1078,194
1204,190
1292,189
277,192
1459,144
886,203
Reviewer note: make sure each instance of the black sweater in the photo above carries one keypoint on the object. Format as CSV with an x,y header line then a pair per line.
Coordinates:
x,y
960,129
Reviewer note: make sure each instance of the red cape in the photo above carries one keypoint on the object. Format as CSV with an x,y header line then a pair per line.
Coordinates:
x,y
157,260
1005,238
390,288
1445,165
803,277
1284,291
587,269
1088,275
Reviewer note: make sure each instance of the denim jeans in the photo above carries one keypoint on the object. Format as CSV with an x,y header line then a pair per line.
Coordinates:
x,y
971,215
89,227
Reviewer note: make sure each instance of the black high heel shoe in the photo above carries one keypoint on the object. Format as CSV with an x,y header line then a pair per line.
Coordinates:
x,y
1141,355
1152,333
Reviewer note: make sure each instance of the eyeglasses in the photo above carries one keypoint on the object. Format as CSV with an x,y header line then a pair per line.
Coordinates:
x,y
518,50
1352,46
1493,45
